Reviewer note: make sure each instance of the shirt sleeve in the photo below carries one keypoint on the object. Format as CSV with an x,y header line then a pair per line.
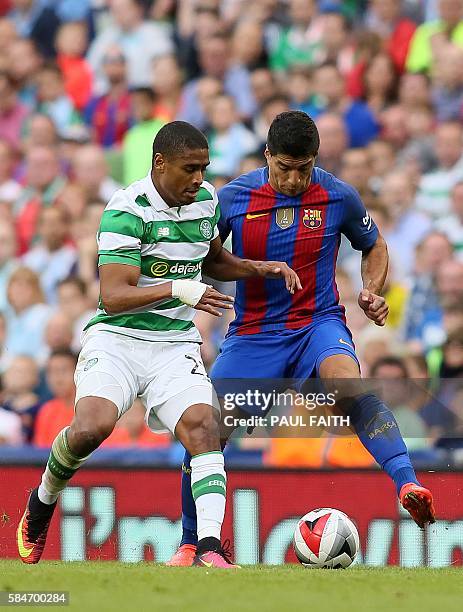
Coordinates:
x,y
216,218
120,238
226,197
358,226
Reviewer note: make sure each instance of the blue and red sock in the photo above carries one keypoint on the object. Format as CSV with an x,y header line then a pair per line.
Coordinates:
x,y
379,433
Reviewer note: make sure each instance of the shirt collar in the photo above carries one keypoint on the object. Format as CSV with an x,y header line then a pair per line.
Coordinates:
x,y
155,199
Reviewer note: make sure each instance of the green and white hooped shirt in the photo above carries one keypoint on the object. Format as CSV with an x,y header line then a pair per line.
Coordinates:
x,y
138,228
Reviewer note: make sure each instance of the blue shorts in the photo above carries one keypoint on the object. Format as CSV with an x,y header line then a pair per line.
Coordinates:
x,y
287,354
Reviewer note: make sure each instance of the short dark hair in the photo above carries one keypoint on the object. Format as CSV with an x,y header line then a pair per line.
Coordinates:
x,y
293,133
76,281
389,360
64,353
176,137
144,91
52,67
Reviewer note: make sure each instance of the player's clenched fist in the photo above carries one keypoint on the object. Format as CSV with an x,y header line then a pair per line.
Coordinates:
x,y
279,269
374,306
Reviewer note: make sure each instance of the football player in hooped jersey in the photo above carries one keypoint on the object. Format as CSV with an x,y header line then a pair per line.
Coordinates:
x,y
296,212
154,238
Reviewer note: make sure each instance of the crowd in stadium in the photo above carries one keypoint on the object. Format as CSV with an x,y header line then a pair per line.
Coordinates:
x,y
84,87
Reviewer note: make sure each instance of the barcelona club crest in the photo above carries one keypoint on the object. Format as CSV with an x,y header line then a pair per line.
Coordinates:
x,y
312,218
284,217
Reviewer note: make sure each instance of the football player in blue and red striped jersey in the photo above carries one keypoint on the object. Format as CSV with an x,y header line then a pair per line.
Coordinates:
x,y
295,212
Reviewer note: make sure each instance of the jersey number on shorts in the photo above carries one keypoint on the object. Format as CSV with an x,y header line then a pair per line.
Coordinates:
x,y
197,369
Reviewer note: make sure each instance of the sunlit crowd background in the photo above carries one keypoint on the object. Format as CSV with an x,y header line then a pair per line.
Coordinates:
x,y
86,84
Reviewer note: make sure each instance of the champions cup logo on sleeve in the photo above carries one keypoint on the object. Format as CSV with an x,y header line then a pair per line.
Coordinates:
x,y
312,218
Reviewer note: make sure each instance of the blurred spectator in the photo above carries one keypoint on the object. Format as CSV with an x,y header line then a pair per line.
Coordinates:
x,y
431,253
438,320
8,35
52,98
109,115
36,19
382,159
215,62
24,62
13,113
300,89
248,49
84,235
19,381
53,258
138,141
42,185
196,21
372,342
337,42
140,41
270,108
414,90
452,224
394,126
8,262
71,44
408,226
447,83
431,37
58,333
91,172
419,151
10,428
330,94
73,302
433,196
57,413
40,131
356,170
380,82
167,86
333,141
301,43
9,188
27,316
72,201
229,139
384,18
263,85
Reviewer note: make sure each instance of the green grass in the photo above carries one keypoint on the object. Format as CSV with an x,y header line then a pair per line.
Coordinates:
x,y
145,586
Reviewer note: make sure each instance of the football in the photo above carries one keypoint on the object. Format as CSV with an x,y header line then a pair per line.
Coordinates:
x,y
326,538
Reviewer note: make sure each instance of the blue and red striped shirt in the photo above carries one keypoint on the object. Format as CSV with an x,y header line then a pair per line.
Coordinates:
x,y
305,232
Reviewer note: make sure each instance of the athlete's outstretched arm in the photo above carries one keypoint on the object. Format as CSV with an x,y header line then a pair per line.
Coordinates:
x,y
119,291
374,270
224,266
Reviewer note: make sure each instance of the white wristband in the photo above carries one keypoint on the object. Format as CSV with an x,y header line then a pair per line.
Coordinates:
x,y
188,291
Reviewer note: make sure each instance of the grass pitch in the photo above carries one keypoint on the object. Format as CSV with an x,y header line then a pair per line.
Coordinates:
x,y
138,587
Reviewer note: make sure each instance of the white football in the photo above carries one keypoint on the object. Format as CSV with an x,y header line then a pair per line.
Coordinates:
x,y
326,538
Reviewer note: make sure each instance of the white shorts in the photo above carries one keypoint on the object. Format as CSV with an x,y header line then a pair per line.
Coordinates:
x,y
168,377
